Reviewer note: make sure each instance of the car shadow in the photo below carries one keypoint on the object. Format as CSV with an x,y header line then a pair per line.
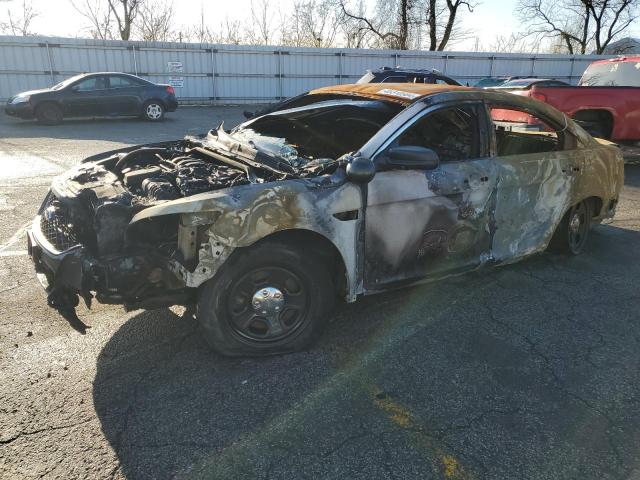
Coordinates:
x,y
482,369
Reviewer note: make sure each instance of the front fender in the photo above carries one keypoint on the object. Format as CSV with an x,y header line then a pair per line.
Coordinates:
x,y
242,215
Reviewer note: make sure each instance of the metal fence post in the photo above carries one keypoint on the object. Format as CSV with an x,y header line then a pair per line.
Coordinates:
x,y
280,80
135,60
573,61
533,66
46,44
213,75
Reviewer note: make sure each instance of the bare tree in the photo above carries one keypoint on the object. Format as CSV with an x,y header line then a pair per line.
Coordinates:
x,y
577,25
262,22
312,24
125,12
230,32
156,21
391,24
99,16
19,23
513,43
402,24
441,21
355,33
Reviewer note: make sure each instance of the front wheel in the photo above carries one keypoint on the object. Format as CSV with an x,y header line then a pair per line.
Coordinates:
x,y
49,114
265,300
571,235
153,111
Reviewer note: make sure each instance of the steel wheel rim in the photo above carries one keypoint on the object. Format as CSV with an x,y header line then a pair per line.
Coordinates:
x,y
154,111
256,313
578,227
50,114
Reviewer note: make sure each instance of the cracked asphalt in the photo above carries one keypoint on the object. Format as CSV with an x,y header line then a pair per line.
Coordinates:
x,y
529,371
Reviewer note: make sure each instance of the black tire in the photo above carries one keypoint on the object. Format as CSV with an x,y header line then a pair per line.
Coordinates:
x,y
153,110
572,233
49,114
230,305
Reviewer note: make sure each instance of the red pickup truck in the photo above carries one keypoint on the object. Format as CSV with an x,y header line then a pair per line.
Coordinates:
x,y
606,101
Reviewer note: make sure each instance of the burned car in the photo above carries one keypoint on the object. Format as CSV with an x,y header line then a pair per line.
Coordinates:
x,y
346,191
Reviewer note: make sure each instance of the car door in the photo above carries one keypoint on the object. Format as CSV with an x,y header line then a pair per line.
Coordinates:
x,y
536,163
86,97
422,223
124,96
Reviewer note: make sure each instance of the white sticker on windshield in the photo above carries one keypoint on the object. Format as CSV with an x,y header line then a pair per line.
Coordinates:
x,y
398,93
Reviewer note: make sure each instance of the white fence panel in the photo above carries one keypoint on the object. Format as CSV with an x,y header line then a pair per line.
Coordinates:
x,y
223,74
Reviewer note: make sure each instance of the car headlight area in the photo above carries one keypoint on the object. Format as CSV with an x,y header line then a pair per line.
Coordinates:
x,y
20,99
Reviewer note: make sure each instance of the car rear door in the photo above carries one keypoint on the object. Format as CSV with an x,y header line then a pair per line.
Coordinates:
x,y
124,96
537,164
422,223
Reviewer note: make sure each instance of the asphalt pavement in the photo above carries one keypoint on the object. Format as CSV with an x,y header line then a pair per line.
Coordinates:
x,y
529,371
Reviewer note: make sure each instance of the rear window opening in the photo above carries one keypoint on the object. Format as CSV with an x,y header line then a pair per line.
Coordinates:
x,y
520,133
611,74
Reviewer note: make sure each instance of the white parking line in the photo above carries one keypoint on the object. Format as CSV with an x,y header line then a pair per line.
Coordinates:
x,y
15,238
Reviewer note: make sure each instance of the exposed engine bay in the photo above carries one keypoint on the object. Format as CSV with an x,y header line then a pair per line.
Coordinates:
x,y
87,216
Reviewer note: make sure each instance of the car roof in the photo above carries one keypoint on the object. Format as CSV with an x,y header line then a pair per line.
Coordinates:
x,y
427,71
89,74
632,58
403,93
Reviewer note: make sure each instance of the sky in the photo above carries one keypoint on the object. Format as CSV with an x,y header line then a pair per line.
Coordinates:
x,y
489,19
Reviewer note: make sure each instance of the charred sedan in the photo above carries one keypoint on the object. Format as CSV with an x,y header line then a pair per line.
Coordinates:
x,y
346,191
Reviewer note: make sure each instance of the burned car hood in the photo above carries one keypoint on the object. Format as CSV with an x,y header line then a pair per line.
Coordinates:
x,y
100,197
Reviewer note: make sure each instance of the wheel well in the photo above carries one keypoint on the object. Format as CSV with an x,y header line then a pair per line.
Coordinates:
x,y
596,204
47,102
317,245
155,100
598,117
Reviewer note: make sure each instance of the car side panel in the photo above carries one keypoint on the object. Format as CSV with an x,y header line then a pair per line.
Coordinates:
x,y
123,101
534,192
601,176
421,224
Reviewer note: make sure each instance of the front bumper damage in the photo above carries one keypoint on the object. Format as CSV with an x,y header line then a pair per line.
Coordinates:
x,y
73,273
64,275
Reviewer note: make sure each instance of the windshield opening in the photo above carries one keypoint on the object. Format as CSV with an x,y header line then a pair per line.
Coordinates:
x,y
318,132
66,82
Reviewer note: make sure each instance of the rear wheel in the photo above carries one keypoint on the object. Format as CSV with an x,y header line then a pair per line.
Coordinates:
x,y
49,114
572,233
269,299
153,111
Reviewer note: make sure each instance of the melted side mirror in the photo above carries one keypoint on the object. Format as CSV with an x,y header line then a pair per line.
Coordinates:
x,y
360,170
413,157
